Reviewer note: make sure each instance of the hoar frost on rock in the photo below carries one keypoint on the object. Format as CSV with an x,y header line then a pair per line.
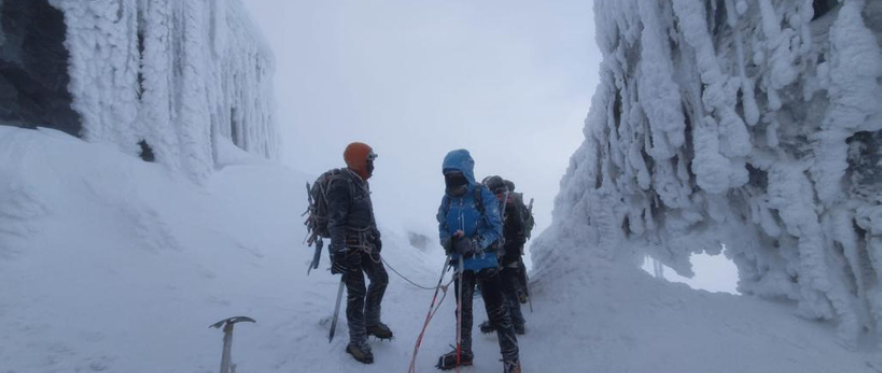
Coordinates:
x,y
753,124
179,75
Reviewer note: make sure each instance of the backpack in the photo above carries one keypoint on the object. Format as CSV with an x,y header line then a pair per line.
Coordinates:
x,y
526,214
317,210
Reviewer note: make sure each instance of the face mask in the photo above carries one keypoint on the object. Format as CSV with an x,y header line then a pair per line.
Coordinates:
x,y
369,167
456,184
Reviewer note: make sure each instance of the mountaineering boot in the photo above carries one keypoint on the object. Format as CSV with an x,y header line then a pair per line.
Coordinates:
x,y
511,366
486,327
380,331
361,352
449,360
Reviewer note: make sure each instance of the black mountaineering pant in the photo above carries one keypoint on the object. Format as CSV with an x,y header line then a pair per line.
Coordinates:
x,y
363,308
511,279
497,313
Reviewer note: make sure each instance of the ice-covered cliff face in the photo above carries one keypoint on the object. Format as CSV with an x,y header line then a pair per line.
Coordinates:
x,y
163,78
753,124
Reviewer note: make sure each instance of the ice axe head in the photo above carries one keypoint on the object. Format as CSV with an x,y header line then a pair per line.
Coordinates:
x,y
226,366
231,321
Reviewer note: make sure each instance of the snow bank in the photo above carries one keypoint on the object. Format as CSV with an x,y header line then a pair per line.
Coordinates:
x,y
753,124
113,264
175,74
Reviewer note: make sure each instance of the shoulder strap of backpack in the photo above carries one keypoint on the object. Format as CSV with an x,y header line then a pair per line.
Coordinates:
x,y
477,199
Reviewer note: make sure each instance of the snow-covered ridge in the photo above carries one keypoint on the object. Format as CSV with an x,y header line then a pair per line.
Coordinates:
x,y
750,124
176,74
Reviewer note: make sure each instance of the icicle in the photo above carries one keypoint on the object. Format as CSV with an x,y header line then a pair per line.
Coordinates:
x,y
660,98
778,43
741,6
749,106
218,27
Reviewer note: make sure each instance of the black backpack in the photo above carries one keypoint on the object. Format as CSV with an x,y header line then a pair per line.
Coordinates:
x,y
317,210
526,214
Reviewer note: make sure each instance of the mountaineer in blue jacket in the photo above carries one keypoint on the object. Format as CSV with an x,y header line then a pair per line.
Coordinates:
x,y
470,227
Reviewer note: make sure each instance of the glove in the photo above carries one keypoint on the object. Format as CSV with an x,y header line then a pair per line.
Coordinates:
x,y
375,240
339,262
468,246
448,245
377,245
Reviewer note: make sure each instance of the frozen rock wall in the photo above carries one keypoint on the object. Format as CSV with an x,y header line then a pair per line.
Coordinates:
x,y
170,78
752,124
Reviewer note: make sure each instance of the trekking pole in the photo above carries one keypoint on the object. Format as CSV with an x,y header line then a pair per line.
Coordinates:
x,y
413,367
523,286
459,312
527,290
337,307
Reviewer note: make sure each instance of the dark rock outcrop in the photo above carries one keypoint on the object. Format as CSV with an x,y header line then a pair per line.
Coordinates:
x,y
34,67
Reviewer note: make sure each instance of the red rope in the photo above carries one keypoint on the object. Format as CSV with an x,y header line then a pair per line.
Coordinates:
x,y
412,368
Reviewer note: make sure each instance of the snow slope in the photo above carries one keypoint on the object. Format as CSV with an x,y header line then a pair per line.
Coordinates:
x,y
109,264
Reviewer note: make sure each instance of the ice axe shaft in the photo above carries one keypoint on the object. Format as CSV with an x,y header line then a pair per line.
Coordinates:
x,y
527,291
525,284
336,308
316,257
228,345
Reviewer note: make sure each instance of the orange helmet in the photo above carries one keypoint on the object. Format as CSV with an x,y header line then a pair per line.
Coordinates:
x,y
360,157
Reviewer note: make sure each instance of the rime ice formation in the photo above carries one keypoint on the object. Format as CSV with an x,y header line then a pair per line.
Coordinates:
x,y
178,75
753,124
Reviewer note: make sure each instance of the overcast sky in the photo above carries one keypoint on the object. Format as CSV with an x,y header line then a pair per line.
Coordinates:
x,y
511,81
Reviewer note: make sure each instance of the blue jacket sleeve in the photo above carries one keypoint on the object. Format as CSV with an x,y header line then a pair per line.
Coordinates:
x,y
442,218
493,229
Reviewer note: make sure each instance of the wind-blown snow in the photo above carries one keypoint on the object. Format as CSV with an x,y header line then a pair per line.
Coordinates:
x,y
178,74
744,123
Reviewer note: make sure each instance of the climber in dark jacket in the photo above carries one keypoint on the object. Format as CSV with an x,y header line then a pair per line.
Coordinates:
x,y
355,249
513,249
470,230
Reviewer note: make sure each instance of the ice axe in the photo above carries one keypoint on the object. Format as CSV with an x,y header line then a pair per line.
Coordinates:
x,y
228,323
337,307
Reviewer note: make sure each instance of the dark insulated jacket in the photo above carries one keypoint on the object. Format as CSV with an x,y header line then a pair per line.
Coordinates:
x,y
351,214
513,231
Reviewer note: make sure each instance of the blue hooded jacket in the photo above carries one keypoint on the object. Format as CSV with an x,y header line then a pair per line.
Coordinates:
x,y
460,213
